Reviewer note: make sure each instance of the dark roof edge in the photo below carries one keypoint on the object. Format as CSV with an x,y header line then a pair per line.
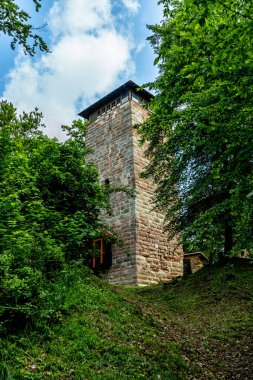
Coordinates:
x,y
130,85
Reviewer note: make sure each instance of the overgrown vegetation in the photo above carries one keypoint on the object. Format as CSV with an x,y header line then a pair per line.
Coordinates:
x,y
50,200
87,330
200,135
195,328
14,22
58,321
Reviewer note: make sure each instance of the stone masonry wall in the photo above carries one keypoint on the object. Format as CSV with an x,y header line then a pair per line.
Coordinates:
x,y
147,257
157,259
110,136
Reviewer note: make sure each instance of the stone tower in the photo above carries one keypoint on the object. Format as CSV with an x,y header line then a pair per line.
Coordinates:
x,y
146,256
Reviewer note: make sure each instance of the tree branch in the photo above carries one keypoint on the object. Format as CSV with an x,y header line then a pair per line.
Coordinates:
x,y
236,12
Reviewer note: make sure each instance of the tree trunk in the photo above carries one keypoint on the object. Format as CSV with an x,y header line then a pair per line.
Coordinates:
x,y
228,234
228,239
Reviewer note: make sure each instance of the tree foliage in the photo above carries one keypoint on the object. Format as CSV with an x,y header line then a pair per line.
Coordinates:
x,y
200,132
14,22
50,200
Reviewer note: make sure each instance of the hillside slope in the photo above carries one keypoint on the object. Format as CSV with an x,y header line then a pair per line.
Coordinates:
x,y
195,328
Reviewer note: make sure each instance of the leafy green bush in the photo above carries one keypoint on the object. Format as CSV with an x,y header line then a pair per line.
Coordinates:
x,y
50,200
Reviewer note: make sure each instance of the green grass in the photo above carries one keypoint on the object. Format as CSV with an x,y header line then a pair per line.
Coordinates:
x,y
200,327
211,319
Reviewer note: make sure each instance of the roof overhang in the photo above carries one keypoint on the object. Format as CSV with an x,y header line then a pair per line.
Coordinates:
x,y
130,85
195,254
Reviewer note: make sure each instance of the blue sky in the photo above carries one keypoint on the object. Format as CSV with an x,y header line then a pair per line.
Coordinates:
x,y
96,45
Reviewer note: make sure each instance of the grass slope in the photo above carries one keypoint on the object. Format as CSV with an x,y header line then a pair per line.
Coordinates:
x,y
195,328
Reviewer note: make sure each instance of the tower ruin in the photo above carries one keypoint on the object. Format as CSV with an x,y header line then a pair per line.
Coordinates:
x,y
146,257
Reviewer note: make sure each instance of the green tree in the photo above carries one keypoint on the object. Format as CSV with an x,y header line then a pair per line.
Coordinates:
x,y
200,133
14,22
50,201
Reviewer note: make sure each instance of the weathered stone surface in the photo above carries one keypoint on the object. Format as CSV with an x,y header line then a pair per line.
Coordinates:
x,y
146,257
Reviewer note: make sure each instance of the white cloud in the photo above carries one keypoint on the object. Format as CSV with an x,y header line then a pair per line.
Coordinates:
x,y
132,5
71,17
88,57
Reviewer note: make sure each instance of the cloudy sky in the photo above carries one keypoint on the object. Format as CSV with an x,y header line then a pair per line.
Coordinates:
x,y
96,45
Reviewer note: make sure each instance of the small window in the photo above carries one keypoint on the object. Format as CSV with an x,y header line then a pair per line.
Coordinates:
x,y
98,113
136,98
113,104
124,97
103,110
118,101
108,107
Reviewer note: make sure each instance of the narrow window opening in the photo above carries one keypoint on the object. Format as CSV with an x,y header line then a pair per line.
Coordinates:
x,y
136,98
124,97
